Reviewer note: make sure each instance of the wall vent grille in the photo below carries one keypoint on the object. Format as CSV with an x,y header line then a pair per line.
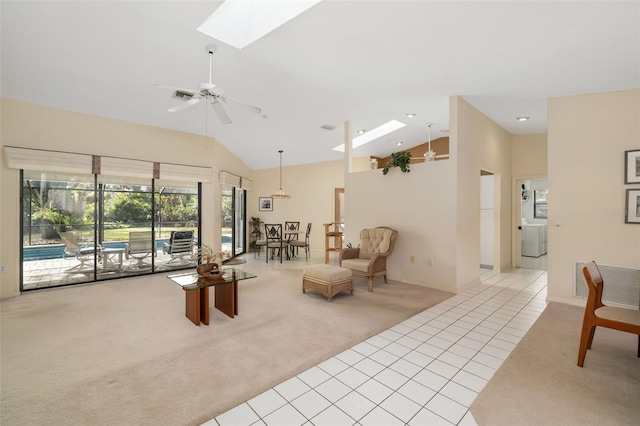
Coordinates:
x,y
621,284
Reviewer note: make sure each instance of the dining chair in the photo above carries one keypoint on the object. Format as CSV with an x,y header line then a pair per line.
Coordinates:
x,y
291,231
275,240
597,314
302,243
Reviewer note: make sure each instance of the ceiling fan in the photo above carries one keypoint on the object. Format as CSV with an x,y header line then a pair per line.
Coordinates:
x,y
208,92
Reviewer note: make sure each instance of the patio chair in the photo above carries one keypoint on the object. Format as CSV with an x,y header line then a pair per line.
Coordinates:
x,y
84,253
179,247
139,248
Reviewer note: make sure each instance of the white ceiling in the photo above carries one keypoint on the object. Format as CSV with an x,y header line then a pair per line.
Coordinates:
x,y
366,62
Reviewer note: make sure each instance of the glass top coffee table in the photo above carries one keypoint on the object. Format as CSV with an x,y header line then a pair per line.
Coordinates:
x,y
196,290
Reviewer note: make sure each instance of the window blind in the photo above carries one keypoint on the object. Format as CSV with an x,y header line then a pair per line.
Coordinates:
x,y
43,160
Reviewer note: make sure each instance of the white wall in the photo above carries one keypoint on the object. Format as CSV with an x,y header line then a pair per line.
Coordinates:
x,y
588,135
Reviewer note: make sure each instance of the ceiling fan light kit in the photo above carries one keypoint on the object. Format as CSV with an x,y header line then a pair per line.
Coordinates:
x,y
209,92
280,192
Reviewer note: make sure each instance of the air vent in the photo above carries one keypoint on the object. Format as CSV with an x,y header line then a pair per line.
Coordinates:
x,y
181,95
621,284
327,127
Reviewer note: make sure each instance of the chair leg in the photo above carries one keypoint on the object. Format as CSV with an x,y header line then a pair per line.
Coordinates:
x,y
370,283
585,342
591,333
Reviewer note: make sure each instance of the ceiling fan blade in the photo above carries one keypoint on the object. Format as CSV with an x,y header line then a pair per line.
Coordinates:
x,y
194,92
222,114
246,106
185,104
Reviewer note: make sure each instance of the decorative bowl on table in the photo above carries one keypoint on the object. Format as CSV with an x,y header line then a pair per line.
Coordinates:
x,y
210,270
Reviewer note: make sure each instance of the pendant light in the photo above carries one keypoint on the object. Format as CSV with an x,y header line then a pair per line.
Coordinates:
x,y
429,155
280,192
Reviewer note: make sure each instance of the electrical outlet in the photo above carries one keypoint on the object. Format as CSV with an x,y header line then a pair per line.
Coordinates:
x,y
412,259
430,261
2,269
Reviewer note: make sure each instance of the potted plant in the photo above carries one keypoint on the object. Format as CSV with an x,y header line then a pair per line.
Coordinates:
x,y
398,159
256,232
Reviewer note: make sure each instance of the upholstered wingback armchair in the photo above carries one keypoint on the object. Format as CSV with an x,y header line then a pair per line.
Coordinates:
x,y
370,258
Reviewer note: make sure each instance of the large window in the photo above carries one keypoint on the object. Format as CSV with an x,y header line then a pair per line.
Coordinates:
x,y
83,228
540,203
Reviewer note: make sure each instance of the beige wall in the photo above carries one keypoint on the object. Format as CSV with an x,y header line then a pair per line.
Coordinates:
x,y
438,221
529,157
436,207
30,126
588,135
311,187
480,144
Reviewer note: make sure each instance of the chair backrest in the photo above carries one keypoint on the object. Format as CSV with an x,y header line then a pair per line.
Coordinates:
x,y
71,245
377,240
595,284
291,227
273,232
306,234
140,242
181,241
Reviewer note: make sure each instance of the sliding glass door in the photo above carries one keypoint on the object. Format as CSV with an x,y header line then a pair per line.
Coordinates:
x,y
83,228
233,221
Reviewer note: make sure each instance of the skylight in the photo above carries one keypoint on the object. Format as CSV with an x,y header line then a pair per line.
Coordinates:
x,y
240,22
372,134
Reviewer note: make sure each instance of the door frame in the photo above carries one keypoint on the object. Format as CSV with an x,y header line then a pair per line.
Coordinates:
x,y
516,217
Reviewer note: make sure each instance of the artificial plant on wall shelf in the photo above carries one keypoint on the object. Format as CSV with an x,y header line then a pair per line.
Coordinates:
x,y
398,159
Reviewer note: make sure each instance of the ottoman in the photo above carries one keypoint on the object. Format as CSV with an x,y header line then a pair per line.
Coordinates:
x,y
327,279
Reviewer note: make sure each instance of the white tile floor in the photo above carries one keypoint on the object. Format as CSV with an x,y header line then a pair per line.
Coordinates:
x,y
426,370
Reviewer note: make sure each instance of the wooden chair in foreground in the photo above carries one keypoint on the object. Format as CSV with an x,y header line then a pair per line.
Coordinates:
x,y
597,314
370,259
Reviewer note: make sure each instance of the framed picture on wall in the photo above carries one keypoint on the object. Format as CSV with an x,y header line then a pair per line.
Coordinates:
x,y
632,166
265,204
633,206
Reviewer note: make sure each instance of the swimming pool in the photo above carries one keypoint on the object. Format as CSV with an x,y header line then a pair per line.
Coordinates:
x,y
55,251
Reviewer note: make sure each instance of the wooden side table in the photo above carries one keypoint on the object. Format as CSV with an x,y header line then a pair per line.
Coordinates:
x,y
336,234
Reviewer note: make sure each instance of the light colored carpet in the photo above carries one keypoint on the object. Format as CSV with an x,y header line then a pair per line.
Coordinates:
x,y
122,352
541,384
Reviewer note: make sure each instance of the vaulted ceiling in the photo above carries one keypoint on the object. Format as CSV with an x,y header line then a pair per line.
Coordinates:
x,y
366,62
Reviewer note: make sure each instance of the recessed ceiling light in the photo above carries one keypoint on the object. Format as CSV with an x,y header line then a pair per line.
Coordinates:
x,y
522,118
398,143
240,23
361,131
410,115
372,134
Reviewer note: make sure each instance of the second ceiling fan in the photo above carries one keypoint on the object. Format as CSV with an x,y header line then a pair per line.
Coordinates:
x,y
208,92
